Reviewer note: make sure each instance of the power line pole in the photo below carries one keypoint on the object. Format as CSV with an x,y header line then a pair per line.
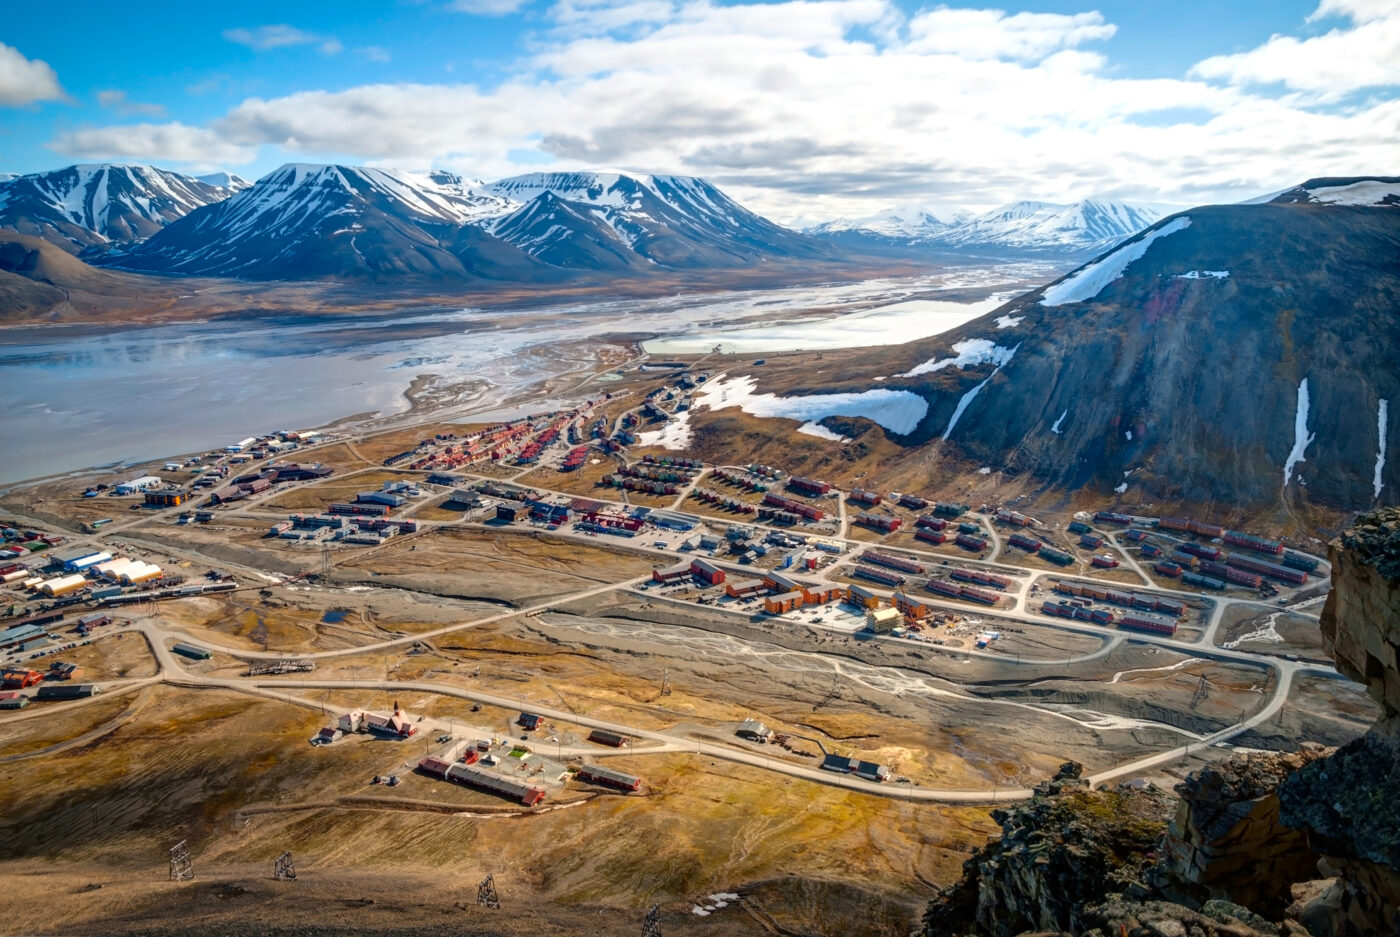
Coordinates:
x,y
181,865
651,925
282,868
486,893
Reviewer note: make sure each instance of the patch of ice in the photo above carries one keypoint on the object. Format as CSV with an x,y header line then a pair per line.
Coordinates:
x,y
1203,274
1056,428
1008,322
1369,192
896,410
985,470
1087,282
699,911
821,432
674,435
1266,632
1129,434
967,399
970,353
1301,437
1382,418
1121,488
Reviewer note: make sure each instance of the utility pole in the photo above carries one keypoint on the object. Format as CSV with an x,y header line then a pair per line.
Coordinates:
x,y
181,865
651,925
486,893
282,868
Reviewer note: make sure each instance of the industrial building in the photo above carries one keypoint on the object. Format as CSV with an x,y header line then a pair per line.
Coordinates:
x,y
596,774
138,485
483,780
861,769
13,700
66,691
604,737
191,651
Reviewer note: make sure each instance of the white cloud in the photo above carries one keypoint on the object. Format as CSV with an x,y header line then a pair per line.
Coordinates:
x,y
1340,61
374,53
117,100
280,35
838,107
173,142
487,7
26,81
989,34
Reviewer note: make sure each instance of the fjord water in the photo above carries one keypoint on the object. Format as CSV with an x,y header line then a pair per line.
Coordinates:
x,y
76,398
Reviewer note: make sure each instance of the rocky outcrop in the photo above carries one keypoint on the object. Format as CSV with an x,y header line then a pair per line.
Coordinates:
x,y
1361,620
1226,841
1064,850
1347,804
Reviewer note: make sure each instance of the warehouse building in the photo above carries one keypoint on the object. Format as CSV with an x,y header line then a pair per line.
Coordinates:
x,y
69,559
867,770
191,651
607,777
66,691
138,485
63,585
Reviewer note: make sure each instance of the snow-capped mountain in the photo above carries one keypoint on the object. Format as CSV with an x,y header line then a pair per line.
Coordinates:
x,y
330,221
671,221
96,205
1045,228
315,221
225,180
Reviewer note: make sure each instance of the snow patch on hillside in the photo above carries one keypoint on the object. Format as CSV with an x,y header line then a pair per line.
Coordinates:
x,y
821,432
896,410
1089,281
1382,418
1203,275
1056,428
1008,322
674,435
1369,192
1301,437
970,353
967,399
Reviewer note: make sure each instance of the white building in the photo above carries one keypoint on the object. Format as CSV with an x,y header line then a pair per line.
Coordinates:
x,y
139,484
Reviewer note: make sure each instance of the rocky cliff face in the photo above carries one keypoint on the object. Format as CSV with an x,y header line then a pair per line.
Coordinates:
x,y
1349,804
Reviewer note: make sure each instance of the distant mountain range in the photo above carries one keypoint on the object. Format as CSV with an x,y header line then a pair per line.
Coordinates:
x,y
307,221
1081,229
324,221
97,206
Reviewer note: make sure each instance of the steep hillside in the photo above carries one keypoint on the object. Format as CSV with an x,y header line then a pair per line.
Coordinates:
x,y
93,206
1240,356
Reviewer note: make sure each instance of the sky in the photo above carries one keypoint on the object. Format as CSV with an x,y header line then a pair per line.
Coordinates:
x,y
804,110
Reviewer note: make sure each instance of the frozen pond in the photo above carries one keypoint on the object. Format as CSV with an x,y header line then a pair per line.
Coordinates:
x,y
75,398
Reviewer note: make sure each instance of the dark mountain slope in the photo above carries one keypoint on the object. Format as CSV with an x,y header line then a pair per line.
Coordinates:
x,y
1180,380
